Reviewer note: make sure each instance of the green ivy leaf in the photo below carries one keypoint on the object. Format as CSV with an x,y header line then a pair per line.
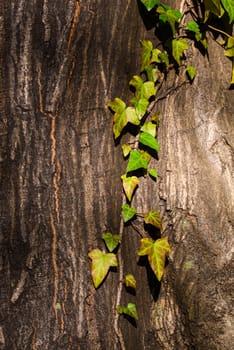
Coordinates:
x,y
140,106
191,71
130,281
166,14
150,4
229,7
147,48
229,52
156,56
164,58
126,149
111,240
156,251
153,74
148,140
153,173
192,26
122,116
129,184
150,128
153,218
101,262
127,212
144,90
129,310
178,48
136,161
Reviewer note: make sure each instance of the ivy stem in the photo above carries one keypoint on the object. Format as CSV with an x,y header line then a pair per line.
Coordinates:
x,y
120,287
221,31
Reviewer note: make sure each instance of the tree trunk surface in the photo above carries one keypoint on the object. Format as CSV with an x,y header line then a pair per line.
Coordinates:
x,y
60,64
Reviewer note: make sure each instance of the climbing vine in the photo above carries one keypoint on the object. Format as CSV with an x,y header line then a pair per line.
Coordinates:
x,y
191,27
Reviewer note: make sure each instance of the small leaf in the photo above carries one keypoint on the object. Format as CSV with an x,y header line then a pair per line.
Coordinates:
x,y
129,184
229,52
156,251
129,310
101,262
166,14
127,212
117,105
150,128
111,240
130,281
144,90
150,4
156,56
229,7
153,218
164,58
126,149
192,26
191,71
148,140
153,173
147,48
136,161
178,48
153,74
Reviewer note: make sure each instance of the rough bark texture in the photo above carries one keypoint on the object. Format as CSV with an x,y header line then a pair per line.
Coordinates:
x,y
61,63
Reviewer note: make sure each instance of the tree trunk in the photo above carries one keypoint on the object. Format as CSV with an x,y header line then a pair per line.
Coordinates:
x,y
61,63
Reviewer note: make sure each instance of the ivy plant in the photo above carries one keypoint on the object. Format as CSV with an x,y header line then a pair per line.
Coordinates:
x,y
182,29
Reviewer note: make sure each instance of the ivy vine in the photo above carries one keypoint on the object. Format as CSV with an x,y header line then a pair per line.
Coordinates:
x,y
182,29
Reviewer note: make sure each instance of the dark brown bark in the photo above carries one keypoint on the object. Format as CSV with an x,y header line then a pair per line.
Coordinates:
x,y
61,63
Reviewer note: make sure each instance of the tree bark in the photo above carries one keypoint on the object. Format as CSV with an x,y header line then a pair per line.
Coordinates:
x,y
61,63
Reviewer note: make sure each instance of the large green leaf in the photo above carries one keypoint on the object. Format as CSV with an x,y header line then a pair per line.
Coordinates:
x,y
129,310
166,14
136,161
140,106
130,281
178,48
229,7
148,140
127,212
122,116
150,4
150,128
111,240
156,251
101,262
153,218
129,184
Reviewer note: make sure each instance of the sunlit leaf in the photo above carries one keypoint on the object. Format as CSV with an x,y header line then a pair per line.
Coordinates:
x,y
191,71
229,52
146,156
129,310
101,262
136,161
126,149
156,251
192,26
153,74
229,7
129,184
178,48
148,140
127,212
164,58
147,48
150,128
153,218
130,281
153,173
156,56
150,4
111,240
166,14
144,90
122,116
140,106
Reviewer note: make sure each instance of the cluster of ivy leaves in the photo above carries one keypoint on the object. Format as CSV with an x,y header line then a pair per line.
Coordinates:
x,y
139,112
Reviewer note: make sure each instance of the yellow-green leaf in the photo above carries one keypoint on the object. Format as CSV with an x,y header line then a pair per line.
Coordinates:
x,y
128,212
129,184
147,48
153,173
126,149
150,4
130,281
150,128
148,140
191,71
129,310
146,246
101,262
157,256
153,218
136,161
111,240
178,48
